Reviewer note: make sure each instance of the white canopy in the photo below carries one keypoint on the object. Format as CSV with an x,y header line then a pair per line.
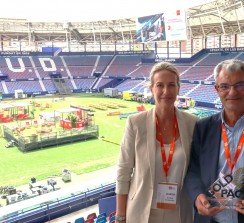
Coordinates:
x,y
20,104
49,115
67,110
5,105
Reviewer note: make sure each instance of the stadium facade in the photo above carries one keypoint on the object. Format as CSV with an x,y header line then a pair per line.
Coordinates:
x,y
216,24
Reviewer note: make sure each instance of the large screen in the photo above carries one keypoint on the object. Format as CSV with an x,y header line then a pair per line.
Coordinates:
x,y
168,26
150,28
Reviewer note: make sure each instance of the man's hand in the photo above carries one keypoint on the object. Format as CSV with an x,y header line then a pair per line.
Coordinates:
x,y
240,206
204,208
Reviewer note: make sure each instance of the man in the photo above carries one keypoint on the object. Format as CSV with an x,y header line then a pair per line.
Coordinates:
x,y
217,157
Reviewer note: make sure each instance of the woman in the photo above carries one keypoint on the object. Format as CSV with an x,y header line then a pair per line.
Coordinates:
x,y
154,157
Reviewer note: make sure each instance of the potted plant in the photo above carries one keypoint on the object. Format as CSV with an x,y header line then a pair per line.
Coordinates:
x,y
32,112
33,137
73,119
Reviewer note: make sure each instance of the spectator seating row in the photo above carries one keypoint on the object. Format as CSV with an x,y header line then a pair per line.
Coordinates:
x,y
25,74
104,82
78,71
186,87
123,65
60,70
204,93
108,65
82,60
49,85
128,84
214,58
84,84
198,73
101,218
26,86
141,71
103,62
120,65
107,206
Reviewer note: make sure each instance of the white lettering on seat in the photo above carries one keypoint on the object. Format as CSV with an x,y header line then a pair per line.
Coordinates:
x,y
43,64
10,66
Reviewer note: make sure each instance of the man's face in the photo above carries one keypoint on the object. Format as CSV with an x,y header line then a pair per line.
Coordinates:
x,y
232,97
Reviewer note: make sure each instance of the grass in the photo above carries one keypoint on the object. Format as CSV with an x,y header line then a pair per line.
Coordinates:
x,y
16,167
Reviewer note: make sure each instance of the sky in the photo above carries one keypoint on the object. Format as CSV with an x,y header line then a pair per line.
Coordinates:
x,y
88,10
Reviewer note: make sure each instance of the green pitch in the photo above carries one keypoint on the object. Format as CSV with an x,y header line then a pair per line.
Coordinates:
x,y
16,167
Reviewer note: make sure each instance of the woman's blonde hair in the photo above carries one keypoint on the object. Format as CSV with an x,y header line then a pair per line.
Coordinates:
x,y
163,66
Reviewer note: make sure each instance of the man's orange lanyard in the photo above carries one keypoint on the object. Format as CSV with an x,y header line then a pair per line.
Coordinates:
x,y
227,149
159,137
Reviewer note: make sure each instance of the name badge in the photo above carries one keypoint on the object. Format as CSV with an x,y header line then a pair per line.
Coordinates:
x,y
167,195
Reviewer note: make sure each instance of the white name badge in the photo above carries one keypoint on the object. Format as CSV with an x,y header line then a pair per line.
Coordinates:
x,y
167,195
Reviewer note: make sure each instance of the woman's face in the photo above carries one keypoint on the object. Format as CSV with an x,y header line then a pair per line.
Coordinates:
x,y
164,88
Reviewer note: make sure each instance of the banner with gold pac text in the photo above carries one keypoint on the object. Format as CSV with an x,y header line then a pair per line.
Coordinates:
x,y
228,189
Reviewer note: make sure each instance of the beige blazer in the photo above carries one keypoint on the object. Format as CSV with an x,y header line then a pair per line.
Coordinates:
x,y
136,166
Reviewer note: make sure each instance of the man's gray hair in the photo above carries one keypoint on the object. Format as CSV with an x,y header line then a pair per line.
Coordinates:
x,y
232,66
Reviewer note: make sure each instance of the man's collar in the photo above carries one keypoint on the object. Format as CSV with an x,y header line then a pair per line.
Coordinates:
x,y
241,119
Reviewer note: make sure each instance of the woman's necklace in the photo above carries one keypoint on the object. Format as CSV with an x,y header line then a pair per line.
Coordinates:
x,y
166,127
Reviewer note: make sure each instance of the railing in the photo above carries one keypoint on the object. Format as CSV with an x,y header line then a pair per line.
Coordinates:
x,y
52,205
36,141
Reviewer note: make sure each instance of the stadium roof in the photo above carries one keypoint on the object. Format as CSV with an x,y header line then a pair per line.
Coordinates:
x,y
88,10
220,17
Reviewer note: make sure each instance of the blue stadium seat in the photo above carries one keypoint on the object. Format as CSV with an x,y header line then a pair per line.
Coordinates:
x,y
79,220
102,215
101,219
107,205
112,219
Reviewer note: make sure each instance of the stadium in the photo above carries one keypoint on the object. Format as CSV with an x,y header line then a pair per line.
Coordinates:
x,y
67,88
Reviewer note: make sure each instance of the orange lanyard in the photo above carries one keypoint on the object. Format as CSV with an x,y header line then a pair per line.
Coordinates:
x,y
159,137
227,149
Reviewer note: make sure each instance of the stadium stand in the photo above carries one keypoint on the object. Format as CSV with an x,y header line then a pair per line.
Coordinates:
x,y
80,66
186,87
49,85
128,84
103,62
240,56
71,73
214,58
200,94
107,205
105,82
17,67
1,86
59,204
26,86
142,71
123,65
197,73
84,84
46,65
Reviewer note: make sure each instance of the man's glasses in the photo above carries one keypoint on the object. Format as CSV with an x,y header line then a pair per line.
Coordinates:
x,y
226,87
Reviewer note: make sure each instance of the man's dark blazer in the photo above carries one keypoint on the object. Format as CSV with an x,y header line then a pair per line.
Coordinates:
x,y
203,167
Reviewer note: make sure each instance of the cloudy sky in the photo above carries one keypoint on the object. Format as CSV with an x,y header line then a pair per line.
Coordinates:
x,y
84,10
